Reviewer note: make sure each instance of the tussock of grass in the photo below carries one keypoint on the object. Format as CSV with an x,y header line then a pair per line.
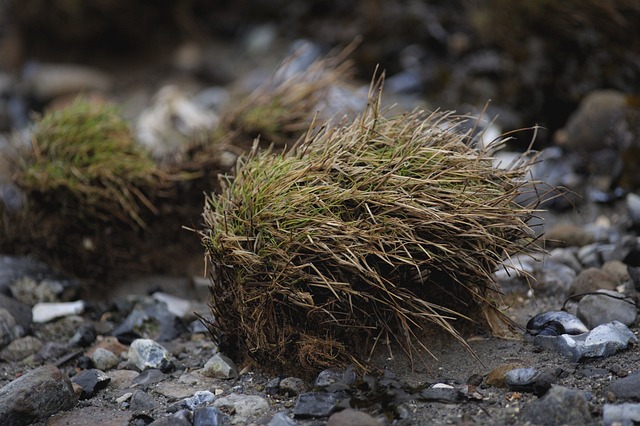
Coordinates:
x,y
282,108
364,232
83,159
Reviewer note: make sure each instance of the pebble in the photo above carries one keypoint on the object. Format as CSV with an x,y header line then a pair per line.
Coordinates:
x,y
21,348
37,394
591,280
528,380
606,306
176,305
627,414
85,336
9,330
220,367
45,312
633,207
602,341
145,353
314,404
104,359
616,270
208,416
292,386
141,401
181,418
198,399
335,378
149,377
17,268
554,323
568,235
90,382
350,417
21,312
152,320
626,388
244,406
122,379
559,406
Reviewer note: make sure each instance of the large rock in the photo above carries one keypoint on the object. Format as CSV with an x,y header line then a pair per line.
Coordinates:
x,y
559,406
36,395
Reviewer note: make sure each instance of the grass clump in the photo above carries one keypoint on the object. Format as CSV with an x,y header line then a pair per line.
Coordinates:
x,y
365,232
83,159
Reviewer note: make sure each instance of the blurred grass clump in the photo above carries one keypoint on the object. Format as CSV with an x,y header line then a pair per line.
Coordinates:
x,y
83,159
364,232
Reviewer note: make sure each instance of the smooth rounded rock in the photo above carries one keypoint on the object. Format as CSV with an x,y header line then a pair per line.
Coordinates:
x,y
496,376
626,388
293,386
38,394
104,359
555,323
591,280
621,414
606,306
559,406
528,380
616,270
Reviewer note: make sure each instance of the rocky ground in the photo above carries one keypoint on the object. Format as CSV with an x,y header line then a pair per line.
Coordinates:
x,y
134,351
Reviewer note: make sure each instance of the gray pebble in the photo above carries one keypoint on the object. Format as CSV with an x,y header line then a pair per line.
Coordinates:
x,y
149,377
198,399
181,418
627,388
141,401
38,394
281,419
20,311
21,348
314,404
220,367
9,330
245,406
558,406
208,416
293,386
608,306
104,359
621,414
145,353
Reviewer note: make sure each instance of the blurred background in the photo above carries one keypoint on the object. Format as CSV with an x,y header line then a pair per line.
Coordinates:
x,y
534,61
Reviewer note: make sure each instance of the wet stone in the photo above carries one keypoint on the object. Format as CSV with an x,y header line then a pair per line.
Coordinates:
x,y
621,414
314,404
528,380
558,406
90,382
36,395
626,388
208,416
145,353
220,367
605,307
555,323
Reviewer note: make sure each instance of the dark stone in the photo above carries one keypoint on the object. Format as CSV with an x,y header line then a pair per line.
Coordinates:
x,y
440,395
627,388
181,418
314,404
208,416
151,320
141,401
85,336
20,311
559,406
91,381
149,377
528,380
38,394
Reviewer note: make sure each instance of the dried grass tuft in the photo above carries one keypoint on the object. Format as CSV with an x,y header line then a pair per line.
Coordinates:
x,y
364,232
